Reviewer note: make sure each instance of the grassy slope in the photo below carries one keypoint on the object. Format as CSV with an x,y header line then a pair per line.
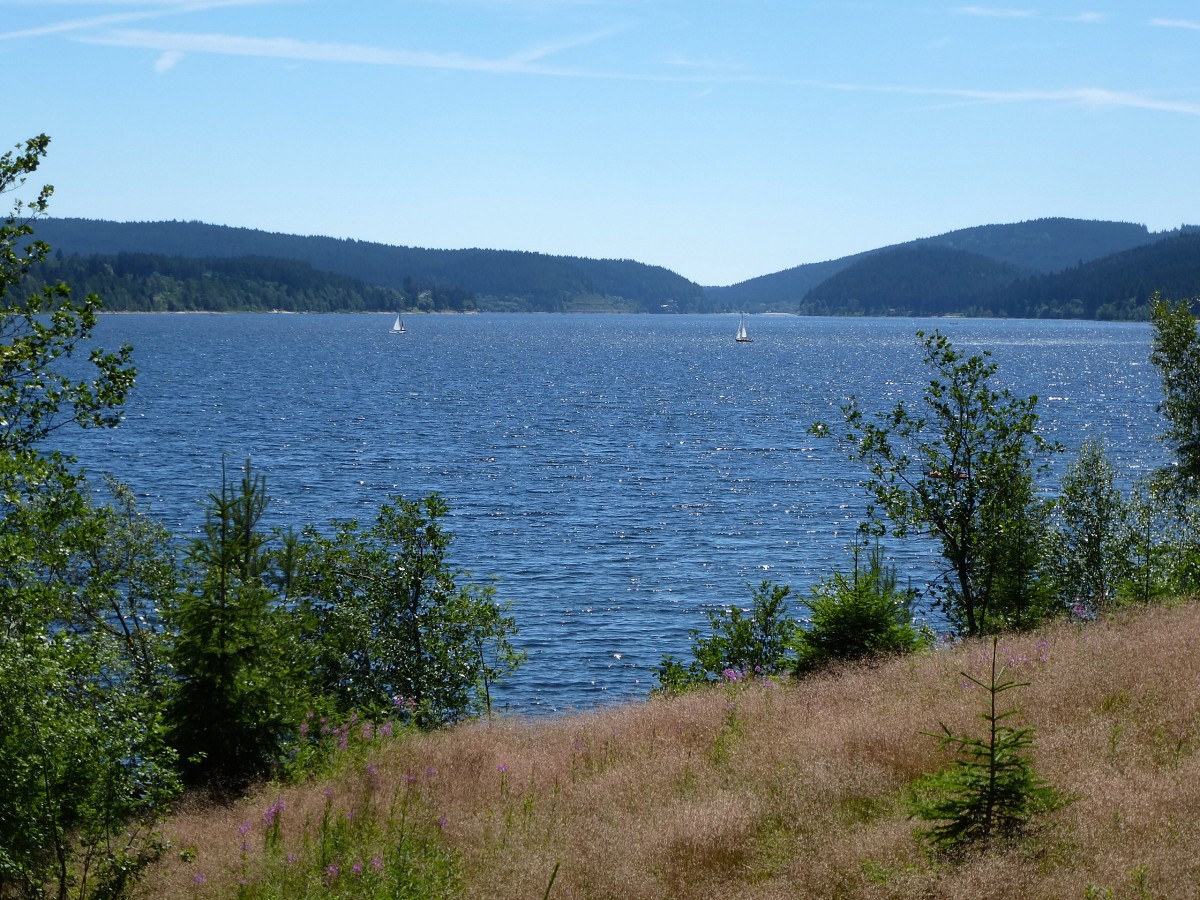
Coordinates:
x,y
790,791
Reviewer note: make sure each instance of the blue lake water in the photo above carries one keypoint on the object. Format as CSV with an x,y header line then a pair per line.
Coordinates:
x,y
614,475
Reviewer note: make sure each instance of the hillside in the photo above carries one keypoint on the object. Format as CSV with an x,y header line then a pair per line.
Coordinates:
x,y
1028,249
1042,268
1046,245
507,280
143,282
750,790
1113,287
912,280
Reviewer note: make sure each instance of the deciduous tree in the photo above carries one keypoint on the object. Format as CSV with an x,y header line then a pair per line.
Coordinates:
x,y
393,621
85,769
960,471
41,331
1176,354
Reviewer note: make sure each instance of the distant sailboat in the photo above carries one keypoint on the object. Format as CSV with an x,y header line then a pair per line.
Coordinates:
x,y
398,326
742,336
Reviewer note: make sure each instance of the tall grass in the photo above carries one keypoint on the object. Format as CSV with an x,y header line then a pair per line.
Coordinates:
x,y
749,790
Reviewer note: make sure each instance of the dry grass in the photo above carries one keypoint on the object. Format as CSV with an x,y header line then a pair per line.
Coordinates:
x,y
763,791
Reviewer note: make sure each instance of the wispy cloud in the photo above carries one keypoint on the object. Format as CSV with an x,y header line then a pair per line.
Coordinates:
x,y
1176,23
89,23
167,61
552,48
995,12
999,12
525,61
1096,98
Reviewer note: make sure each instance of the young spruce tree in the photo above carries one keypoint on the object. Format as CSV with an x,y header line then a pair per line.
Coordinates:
x,y
231,703
991,793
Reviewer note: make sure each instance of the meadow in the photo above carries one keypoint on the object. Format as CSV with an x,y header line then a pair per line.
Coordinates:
x,y
750,789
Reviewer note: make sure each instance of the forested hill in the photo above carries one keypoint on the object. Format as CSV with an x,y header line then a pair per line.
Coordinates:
x,y
145,282
912,280
1050,263
1043,268
1114,287
495,279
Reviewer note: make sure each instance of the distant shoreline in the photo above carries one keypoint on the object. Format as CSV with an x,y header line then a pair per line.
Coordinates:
x,y
285,312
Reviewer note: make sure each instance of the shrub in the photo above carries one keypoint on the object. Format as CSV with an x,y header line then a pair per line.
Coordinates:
x,y
860,615
741,643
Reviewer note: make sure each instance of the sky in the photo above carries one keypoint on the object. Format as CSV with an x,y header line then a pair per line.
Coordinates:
x,y
721,139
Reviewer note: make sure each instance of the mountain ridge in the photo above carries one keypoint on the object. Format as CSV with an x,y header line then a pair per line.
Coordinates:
x,y
967,271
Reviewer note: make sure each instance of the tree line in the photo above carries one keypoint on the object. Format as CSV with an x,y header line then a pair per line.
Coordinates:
x,y
497,280
145,282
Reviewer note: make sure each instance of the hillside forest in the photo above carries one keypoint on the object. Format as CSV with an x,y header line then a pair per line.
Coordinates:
x,y
1045,268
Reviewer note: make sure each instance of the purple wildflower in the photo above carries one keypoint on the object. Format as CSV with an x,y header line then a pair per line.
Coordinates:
x,y
271,813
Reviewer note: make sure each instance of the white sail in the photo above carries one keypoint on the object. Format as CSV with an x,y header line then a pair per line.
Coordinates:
x,y
742,336
398,326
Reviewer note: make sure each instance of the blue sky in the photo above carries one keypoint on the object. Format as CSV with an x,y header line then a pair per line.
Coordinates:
x,y
722,139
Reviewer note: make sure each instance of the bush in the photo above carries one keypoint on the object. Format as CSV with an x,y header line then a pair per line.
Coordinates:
x,y
851,617
741,643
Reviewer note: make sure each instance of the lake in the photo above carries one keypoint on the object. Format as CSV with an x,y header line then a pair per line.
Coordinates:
x,y
614,475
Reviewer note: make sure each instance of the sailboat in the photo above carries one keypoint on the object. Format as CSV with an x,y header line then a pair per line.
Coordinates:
x,y
398,326
742,336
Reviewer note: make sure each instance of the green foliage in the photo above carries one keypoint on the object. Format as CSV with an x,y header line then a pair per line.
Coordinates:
x,y
367,842
39,331
1176,354
86,769
233,698
1091,551
391,623
856,616
1163,537
991,793
740,644
961,472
